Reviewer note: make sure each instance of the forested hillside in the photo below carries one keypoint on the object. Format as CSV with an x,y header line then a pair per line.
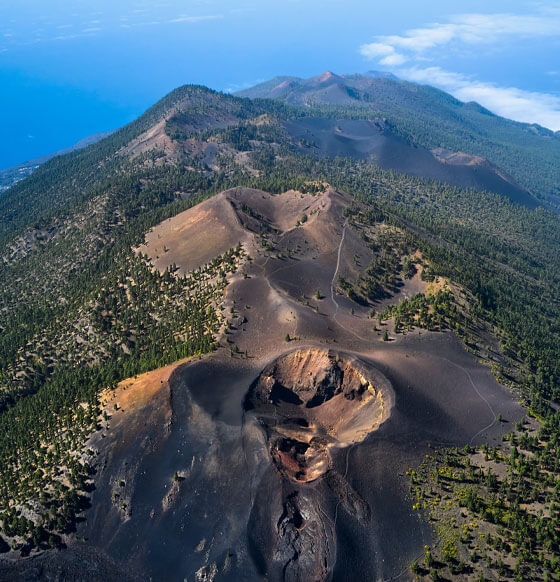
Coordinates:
x,y
11,176
432,118
80,310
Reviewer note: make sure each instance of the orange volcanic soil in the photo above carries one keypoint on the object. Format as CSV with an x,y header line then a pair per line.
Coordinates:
x,y
136,392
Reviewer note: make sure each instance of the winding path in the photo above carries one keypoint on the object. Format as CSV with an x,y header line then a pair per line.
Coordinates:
x,y
337,306
333,292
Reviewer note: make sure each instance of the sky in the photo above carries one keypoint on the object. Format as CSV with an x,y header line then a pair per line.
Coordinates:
x,y
71,68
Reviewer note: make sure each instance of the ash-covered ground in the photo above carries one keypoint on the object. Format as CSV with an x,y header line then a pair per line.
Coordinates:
x,y
278,460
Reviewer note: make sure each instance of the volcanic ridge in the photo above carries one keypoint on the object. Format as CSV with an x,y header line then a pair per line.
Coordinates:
x,y
281,455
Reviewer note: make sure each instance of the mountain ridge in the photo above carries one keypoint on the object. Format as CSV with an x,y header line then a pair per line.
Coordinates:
x,y
432,118
280,282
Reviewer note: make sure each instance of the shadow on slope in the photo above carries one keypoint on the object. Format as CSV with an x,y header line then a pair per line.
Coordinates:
x,y
364,139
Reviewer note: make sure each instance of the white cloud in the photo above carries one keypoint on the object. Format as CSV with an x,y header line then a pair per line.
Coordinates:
x,y
386,54
393,60
419,45
245,85
67,36
435,76
141,24
513,103
376,49
193,19
510,102
471,29
95,26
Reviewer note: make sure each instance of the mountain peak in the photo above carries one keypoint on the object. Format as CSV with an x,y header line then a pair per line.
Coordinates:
x,y
325,77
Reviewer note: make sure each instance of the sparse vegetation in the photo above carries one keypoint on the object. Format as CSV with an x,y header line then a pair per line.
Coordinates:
x,y
495,509
429,311
139,320
79,311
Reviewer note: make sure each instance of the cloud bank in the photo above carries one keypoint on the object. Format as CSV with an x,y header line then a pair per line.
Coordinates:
x,y
409,53
510,102
467,29
67,32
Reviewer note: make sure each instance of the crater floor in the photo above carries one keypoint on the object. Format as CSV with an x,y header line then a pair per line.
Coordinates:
x,y
310,401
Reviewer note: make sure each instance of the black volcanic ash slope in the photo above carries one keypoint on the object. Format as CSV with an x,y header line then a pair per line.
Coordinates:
x,y
364,139
241,467
80,310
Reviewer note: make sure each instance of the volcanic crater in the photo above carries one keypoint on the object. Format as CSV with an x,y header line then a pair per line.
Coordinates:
x,y
311,400
269,461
